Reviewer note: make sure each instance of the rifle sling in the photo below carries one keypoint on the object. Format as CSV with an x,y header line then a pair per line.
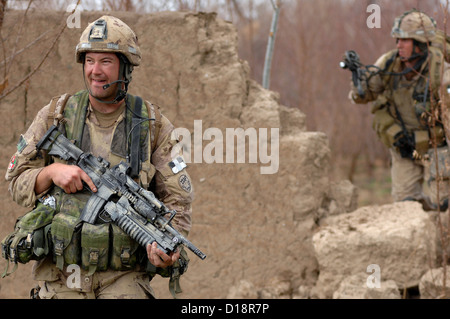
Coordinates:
x,y
405,131
134,151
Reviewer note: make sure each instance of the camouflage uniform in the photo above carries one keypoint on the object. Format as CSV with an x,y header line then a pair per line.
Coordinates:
x,y
399,105
114,280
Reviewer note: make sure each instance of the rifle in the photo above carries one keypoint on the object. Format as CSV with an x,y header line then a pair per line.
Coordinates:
x,y
119,198
351,61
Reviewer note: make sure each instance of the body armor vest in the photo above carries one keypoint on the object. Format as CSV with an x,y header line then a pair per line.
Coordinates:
x,y
103,246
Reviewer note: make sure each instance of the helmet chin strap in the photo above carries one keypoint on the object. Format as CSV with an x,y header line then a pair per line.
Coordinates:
x,y
416,55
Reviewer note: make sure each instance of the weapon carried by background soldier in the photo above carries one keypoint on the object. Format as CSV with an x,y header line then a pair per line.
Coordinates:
x,y
351,61
404,86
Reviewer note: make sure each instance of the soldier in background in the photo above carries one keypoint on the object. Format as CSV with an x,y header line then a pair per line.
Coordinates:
x,y
98,120
405,84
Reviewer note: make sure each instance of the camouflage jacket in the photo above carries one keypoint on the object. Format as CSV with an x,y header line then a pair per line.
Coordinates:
x,y
406,95
174,189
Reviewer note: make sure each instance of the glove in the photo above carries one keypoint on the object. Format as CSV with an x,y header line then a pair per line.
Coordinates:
x,y
405,145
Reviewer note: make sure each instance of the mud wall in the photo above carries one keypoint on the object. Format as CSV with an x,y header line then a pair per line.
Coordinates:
x,y
252,226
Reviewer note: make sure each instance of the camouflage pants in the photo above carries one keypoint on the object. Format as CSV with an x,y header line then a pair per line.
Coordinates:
x,y
412,180
57,284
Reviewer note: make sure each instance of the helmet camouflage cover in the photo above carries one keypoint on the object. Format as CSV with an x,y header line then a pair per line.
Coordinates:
x,y
414,25
109,34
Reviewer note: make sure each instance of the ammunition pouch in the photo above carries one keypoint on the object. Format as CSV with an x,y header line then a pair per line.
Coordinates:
x,y
66,230
407,146
422,141
66,238
393,134
124,250
382,122
30,238
390,131
95,247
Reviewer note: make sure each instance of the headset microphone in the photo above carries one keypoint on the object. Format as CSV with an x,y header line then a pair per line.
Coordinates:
x,y
109,84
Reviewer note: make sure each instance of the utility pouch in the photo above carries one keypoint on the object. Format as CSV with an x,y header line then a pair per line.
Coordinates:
x,y
382,121
29,241
443,163
422,141
66,229
392,134
66,239
94,247
380,103
123,255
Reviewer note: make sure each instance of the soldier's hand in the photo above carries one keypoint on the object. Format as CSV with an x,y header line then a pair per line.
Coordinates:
x,y
69,177
160,259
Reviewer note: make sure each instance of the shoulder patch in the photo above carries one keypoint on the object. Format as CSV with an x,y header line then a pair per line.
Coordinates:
x,y
12,163
22,144
185,183
177,164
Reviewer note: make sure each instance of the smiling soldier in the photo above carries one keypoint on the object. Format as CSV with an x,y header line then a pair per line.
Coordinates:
x,y
104,120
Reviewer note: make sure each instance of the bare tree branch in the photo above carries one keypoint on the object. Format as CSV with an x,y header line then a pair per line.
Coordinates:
x,y
271,44
30,74
11,57
18,37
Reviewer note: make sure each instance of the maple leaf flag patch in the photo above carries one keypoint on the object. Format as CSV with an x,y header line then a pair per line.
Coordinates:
x,y
12,163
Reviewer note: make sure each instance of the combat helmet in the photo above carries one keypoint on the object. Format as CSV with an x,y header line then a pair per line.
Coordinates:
x,y
415,25
110,34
